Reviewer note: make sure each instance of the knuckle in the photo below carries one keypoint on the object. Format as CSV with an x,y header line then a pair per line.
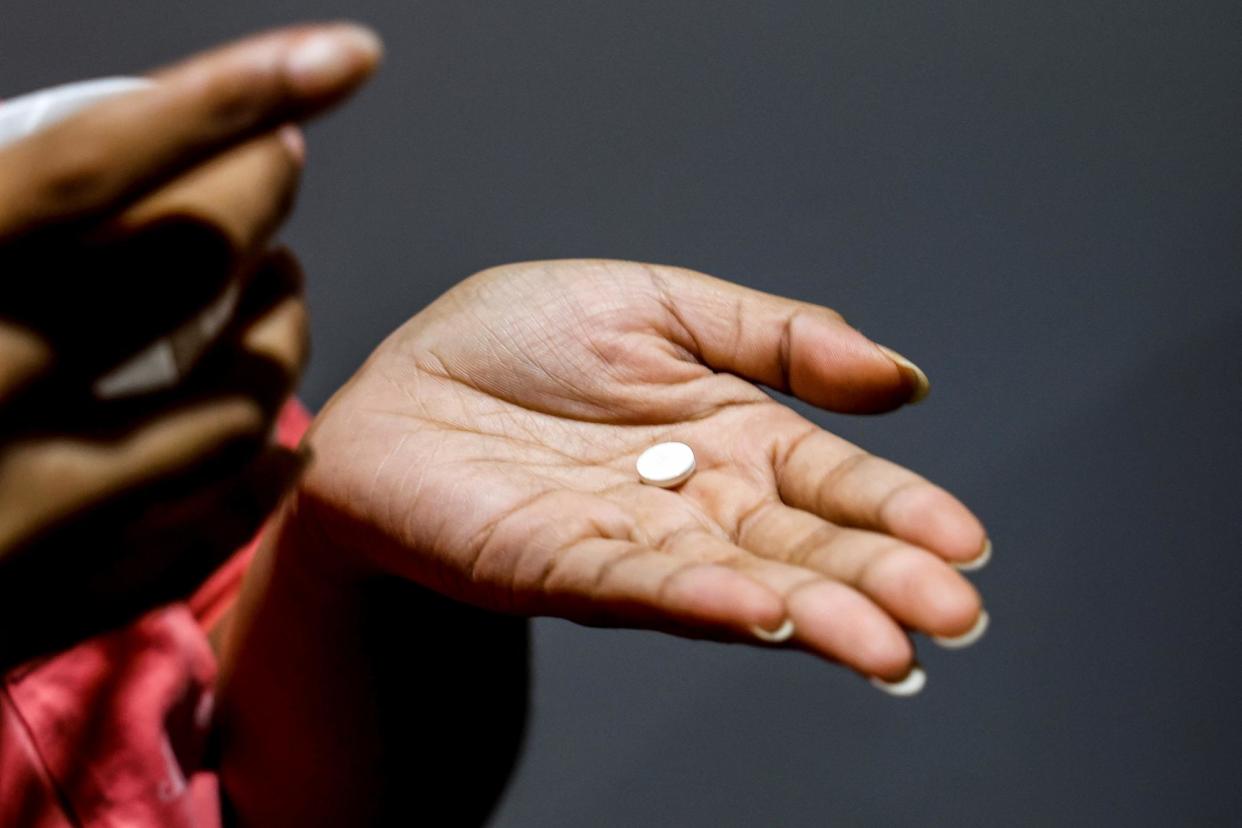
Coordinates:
x,y
897,562
54,467
832,314
72,173
889,564
233,99
814,545
667,272
271,160
910,497
750,517
838,477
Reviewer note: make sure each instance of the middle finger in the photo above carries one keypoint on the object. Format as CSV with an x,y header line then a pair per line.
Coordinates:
x,y
911,584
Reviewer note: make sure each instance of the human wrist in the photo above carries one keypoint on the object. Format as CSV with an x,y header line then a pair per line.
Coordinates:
x,y
307,547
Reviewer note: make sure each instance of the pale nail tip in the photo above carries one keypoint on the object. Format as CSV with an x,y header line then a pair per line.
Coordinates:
x,y
364,39
294,142
909,686
782,633
967,638
922,385
977,563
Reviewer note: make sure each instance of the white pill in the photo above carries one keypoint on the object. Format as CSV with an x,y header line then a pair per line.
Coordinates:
x,y
666,465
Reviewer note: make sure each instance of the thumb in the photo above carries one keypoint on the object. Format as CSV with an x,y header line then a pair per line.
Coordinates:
x,y
790,346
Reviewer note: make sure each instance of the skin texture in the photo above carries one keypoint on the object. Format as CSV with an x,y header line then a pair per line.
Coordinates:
x,y
116,226
489,448
486,452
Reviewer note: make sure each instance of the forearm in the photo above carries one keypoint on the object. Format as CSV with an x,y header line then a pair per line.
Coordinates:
x,y
352,700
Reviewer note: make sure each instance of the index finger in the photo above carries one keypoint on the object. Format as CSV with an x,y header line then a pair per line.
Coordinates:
x,y
794,347
821,473
112,153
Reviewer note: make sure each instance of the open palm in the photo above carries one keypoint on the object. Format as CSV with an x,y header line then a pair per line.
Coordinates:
x,y
487,450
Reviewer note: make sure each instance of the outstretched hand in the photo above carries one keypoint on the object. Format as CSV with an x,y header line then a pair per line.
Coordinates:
x,y
127,225
487,450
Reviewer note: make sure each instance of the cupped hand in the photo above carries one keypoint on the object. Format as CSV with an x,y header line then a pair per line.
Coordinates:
x,y
487,450
118,226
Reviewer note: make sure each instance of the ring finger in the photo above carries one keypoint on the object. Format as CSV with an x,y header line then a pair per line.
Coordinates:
x,y
914,586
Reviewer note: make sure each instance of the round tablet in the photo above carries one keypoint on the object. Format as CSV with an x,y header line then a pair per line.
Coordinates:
x,y
666,465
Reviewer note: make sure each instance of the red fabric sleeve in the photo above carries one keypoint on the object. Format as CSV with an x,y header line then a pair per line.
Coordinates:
x,y
218,593
113,731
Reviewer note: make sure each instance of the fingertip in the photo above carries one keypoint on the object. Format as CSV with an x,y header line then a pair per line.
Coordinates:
x,y
886,651
290,73
917,589
836,367
966,639
952,605
930,517
979,561
844,625
330,57
716,594
295,142
916,380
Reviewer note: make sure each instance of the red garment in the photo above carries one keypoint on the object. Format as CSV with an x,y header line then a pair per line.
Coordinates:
x,y
112,732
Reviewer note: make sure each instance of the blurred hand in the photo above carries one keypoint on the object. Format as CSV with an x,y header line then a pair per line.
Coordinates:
x,y
487,450
117,226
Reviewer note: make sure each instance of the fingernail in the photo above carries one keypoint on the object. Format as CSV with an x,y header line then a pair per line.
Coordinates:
x,y
913,373
967,638
911,685
782,633
294,142
978,562
327,58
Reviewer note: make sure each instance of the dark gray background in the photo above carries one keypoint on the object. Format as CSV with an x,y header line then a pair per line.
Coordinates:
x,y
1038,202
